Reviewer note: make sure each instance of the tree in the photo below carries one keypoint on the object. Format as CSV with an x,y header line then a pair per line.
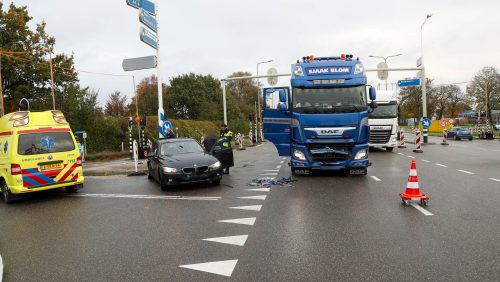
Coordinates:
x,y
411,100
116,105
147,91
25,62
484,90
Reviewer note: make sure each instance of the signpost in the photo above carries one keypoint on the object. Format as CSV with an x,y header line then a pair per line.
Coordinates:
x,y
149,38
409,82
147,19
139,63
426,123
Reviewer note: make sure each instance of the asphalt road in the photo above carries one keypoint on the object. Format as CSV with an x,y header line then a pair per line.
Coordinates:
x,y
323,228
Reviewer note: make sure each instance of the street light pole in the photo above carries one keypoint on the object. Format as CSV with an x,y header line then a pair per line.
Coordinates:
x,y
257,115
385,60
423,82
52,80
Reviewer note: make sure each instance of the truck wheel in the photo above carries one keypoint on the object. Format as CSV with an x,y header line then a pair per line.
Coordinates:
x,y
70,189
7,196
389,149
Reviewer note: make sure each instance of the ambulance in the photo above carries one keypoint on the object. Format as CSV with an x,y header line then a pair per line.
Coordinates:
x,y
37,152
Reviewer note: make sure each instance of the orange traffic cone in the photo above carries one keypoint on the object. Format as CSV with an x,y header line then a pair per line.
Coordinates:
x,y
412,189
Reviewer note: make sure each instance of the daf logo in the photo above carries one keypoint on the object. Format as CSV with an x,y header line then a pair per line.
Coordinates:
x,y
329,131
50,157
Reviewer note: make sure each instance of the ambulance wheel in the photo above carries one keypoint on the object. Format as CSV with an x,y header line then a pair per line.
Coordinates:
x,y
7,196
70,189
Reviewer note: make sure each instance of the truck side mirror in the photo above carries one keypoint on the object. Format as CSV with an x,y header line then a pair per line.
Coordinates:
x,y
283,107
373,104
282,94
373,94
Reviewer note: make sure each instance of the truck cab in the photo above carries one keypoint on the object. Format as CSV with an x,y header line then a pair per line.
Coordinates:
x,y
383,121
321,121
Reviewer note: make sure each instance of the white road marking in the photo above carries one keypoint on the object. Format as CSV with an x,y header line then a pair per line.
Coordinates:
x,y
284,158
248,208
376,178
245,221
1,269
282,162
401,154
465,171
232,240
259,189
442,165
494,179
125,196
259,197
425,161
411,157
223,267
420,209
278,167
271,170
269,174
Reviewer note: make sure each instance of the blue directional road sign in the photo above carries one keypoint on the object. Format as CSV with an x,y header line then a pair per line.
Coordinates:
x,y
147,19
144,4
149,38
409,82
426,123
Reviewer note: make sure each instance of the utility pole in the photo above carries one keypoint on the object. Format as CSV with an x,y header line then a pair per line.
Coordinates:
x,y
423,82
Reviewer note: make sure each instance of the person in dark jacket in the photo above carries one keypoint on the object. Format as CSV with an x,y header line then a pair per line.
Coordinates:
x,y
170,133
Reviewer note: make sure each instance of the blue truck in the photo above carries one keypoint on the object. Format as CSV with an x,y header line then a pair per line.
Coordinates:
x,y
322,121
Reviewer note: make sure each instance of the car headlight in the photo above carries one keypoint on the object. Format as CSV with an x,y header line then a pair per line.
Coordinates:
x,y
299,155
167,169
215,165
359,69
297,71
361,154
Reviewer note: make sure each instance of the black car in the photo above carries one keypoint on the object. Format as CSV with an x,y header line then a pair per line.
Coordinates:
x,y
182,161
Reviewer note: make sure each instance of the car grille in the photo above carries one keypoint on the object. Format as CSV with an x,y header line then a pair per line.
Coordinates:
x,y
380,136
330,157
195,170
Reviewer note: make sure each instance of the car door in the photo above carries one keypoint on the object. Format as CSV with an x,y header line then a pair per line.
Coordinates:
x,y
153,161
224,155
277,117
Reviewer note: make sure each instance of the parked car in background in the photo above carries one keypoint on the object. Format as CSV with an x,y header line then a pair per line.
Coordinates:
x,y
497,125
459,133
182,161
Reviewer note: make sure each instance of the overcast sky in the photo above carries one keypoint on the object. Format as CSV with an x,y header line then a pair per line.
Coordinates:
x,y
219,37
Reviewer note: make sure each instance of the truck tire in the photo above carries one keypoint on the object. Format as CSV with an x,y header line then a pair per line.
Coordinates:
x,y
389,149
7,196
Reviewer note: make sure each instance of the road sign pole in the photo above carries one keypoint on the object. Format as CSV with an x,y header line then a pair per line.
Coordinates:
x,y
161,112
224,101
424,100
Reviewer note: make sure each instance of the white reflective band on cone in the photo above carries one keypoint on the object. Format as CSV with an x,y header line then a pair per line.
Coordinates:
x,y
412,185
413,172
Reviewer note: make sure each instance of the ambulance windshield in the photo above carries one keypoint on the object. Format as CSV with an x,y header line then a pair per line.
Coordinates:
x,y
45,143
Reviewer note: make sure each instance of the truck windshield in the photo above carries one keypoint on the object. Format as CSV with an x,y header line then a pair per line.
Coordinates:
x,y
324,100
385,111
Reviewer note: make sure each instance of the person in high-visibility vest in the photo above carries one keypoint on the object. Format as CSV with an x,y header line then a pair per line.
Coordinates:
x,y
227,135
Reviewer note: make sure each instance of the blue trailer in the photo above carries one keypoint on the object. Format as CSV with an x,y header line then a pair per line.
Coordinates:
x,y
322,121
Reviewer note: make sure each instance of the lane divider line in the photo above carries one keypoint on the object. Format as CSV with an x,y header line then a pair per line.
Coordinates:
x,y
412,157
376,178
282,162
271,170
494,179
425,161
269,174
284,158
442,165
278,167
401,154
465,171
125,196
420,209
1,268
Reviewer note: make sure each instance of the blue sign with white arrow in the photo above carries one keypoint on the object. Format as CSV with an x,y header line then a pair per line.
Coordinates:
x,y
409,82
426,123
144,4
147,19
149,38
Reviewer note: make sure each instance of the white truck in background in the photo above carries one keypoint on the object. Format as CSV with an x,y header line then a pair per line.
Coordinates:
x,y
383,121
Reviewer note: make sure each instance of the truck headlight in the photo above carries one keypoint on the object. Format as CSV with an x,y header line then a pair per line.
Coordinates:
x,y
216,165
359,69
361,154
297,71
167,169
299,155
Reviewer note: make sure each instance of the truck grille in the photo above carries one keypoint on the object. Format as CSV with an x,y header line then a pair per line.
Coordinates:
x,y
344,152
380,136
196,170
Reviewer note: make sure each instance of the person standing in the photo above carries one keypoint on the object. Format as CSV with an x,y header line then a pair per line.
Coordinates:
x,y
226,135
170,134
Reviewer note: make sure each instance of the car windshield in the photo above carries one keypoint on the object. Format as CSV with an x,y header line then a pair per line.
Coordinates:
x,y
180,147
45,143
385,111
323,100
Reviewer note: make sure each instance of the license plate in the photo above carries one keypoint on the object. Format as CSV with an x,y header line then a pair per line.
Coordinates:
x,y
358,171
51,166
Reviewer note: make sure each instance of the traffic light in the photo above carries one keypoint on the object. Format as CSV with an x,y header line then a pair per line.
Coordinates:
x,y
250,117
143,120
130,122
